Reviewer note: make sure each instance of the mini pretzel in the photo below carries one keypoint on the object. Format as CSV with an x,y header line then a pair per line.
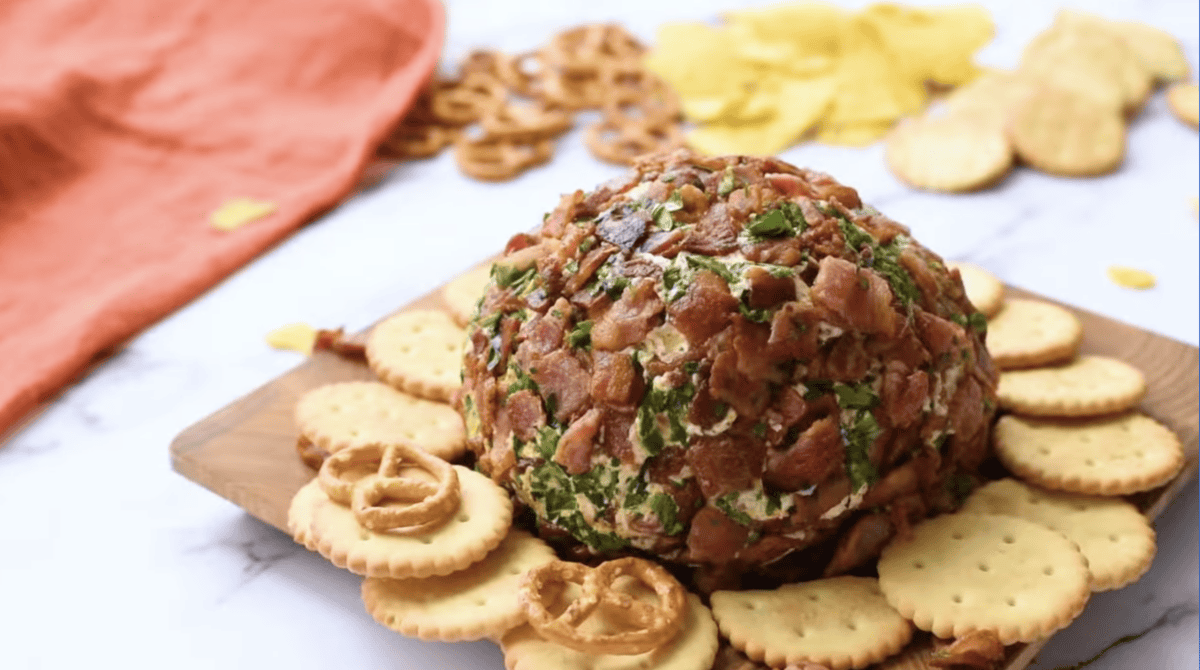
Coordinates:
x,y
653,625
461,102
524,73
573,91
525,122
584,49
417,140
493,158
638,95
622,140
430,502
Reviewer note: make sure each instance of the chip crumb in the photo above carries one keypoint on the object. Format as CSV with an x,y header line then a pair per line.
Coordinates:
x,y
294,336
237,212
1131,277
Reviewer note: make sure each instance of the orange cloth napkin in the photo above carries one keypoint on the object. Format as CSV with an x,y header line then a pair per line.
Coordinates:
x,y
124,125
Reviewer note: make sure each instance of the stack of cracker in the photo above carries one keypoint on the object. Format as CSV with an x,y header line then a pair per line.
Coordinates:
x,y
1064,111
434,543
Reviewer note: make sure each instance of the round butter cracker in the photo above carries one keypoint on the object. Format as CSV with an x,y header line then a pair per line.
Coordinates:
x,y
960,573
840,623
984,290
1025,333
1086,386
420,352
693,648
463,292
948,153
338,416
1114,455
477,602
1062,133
479,525
1114,537
300,513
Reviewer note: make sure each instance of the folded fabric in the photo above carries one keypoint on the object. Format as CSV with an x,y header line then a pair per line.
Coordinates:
x,y
124,125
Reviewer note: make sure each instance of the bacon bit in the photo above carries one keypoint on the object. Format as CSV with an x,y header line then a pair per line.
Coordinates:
x,y
725,463
614,381
561,376
862,543
978,649
859,296
704,310
336,341
816,455
629,319
574,451
714,537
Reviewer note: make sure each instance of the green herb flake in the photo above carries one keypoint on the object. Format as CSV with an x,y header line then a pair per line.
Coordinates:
x,y
507,276
547,442
755,315
859,396
858,438
725,504
729,182
785,220
580,336
556,490
712,265
524,381
774,503
978,321
667,511
760,430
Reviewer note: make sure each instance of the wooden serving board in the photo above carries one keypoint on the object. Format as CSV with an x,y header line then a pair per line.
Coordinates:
x,y
246,451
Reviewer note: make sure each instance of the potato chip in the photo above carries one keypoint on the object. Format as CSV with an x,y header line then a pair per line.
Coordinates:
x,y
294,337
699,60
1131,277
805,101
769,76
237,212
932,45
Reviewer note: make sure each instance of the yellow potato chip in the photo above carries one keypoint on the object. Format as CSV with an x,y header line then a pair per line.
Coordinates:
x,y
698,60
1131,277
813,27
801,103
855,134
870,90
294,337
935,44
765,79
237,212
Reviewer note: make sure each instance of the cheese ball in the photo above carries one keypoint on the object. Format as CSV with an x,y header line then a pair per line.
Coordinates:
x,y
725,363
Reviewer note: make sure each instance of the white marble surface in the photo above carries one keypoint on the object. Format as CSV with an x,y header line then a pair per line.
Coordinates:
x,y
109,557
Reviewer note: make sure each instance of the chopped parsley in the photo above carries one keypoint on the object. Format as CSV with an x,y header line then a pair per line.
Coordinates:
x,y
609,282
580,336
524,381
557,492
729,182
507,276
725,504
882,258
712,265
667,511
859,431
674,403
816,388
774,502
785,220
755,315
760,430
